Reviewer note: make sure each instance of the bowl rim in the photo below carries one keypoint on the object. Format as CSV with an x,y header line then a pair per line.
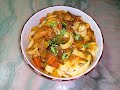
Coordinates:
x,y
52,77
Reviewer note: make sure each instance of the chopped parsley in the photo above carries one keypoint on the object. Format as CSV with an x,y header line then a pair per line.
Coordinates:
x,y
86,45
52,24
63,31
64,25
53,46
53,49
65,56
77,37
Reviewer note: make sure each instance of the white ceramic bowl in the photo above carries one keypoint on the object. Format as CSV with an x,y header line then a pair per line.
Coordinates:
x,y
34,20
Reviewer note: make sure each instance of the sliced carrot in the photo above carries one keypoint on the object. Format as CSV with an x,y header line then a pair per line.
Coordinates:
x,y
42,19
33,63
55,64
51,59
38,62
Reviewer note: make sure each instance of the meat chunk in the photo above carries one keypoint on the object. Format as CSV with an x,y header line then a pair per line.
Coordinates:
x,y
44,31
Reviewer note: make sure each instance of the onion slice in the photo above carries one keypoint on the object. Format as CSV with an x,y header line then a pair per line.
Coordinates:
x,y
69,43
80,29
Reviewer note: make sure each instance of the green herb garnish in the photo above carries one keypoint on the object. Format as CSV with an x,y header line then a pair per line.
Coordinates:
x,y
50,42
64,25
77,37
63,31
53,46
52,24
65,56
53,49
86,45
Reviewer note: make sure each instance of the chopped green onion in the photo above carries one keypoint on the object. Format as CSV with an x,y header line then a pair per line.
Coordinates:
x,y
86,45
54,49
77,37
64,25
65,56
63,31
53,46
50,42
52,24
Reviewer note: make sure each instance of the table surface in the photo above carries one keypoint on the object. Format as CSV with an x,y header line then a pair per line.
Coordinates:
x,y
15,74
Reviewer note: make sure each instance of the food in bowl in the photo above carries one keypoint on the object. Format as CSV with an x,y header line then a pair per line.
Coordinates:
x,y
62,45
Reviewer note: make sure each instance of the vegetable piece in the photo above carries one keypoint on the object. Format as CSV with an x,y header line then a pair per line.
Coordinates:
x,y
33,63
52,24
75,26
59,26
79,53
51,59
50,42
64,25
53,49
38,62
49,69
58,39
77,37
86,45
55,64
63,31
80,29
53,46
69,43
65,56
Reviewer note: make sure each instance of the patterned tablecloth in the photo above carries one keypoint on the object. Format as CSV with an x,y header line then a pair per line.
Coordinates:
x,y
15,74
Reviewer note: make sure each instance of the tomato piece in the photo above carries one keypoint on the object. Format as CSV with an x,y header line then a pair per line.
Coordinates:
x,y
55,64
38,62
59,26
51,59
